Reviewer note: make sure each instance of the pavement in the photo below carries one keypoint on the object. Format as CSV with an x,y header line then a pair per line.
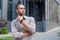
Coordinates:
x,y
49,35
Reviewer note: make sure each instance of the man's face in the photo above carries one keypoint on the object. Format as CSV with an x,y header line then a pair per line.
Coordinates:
x,y
20,10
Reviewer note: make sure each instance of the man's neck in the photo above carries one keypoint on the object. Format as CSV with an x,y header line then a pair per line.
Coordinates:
x,y
20,16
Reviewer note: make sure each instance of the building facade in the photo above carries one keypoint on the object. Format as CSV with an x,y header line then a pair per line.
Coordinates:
x,y
45,12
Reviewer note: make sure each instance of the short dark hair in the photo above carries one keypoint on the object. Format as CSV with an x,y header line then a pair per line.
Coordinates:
x,y
18,3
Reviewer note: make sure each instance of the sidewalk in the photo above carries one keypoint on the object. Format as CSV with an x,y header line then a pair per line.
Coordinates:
x,y
6,35
50,35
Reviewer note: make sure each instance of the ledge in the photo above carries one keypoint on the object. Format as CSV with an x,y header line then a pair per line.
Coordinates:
x,y
6,35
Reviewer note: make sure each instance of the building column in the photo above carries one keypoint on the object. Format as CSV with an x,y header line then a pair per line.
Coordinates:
x,y
4,9
47,9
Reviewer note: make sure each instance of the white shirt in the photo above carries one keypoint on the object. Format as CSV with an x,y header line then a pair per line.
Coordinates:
x,y
17,29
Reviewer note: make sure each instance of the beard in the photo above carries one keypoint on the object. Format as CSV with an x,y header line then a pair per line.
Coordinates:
x,y
20,14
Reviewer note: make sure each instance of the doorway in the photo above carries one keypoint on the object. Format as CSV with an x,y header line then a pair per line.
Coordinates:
x,y
37,10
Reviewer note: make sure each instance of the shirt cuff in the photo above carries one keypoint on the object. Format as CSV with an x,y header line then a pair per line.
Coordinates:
x,y
17,34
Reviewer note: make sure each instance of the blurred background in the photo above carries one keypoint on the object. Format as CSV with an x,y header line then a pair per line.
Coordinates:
x,y
45,12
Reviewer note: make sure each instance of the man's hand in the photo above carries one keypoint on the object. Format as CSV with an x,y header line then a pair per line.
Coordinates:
x,y
19,18
26,25
25,34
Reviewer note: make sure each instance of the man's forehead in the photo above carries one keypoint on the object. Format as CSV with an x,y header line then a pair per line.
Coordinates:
x,y
22,6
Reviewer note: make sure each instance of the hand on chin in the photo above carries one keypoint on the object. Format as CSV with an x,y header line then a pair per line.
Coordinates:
x,y
19,18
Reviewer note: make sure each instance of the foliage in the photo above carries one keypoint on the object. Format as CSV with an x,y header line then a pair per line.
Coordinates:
x,y
4,31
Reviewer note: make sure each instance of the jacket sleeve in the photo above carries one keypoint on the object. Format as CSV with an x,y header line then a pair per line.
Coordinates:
x,y
14,31
32,25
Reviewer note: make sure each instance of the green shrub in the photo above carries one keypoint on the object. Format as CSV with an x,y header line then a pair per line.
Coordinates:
x,y
4,31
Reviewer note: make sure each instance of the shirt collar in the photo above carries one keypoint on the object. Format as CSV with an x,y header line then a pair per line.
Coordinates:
x,y
23,18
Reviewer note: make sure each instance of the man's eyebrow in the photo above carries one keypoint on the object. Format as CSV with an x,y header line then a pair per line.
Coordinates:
x,y
22,8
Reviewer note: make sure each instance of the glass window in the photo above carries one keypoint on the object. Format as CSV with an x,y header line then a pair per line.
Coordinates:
x,y
10,0
0,3
9,10
36,9
0,9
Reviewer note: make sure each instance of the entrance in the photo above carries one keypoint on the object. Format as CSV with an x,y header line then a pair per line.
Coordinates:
x,y
37,10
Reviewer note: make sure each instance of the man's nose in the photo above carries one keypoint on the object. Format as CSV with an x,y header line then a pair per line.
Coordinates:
x,y
23,9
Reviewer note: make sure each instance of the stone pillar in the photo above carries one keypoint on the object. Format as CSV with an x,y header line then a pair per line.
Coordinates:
x,y
4,9
47,9
51,14
58,1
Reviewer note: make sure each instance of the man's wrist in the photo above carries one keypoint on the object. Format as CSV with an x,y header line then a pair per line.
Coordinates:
x,y
21,21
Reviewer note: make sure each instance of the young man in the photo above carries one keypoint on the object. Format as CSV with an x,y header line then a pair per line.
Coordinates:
x,y
23,27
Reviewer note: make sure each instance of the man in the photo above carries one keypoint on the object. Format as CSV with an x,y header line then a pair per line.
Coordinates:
x,y
23,27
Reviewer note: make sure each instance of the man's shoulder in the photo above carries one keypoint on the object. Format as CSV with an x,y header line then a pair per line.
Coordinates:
x,y
29,17
13,21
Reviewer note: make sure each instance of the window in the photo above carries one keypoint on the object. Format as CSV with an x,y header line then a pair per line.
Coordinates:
x,y
37,10
0,3
9,12
0,9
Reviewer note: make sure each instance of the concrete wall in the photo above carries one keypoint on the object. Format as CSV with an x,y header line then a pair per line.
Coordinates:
x,y
51,14
53,11
59,15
